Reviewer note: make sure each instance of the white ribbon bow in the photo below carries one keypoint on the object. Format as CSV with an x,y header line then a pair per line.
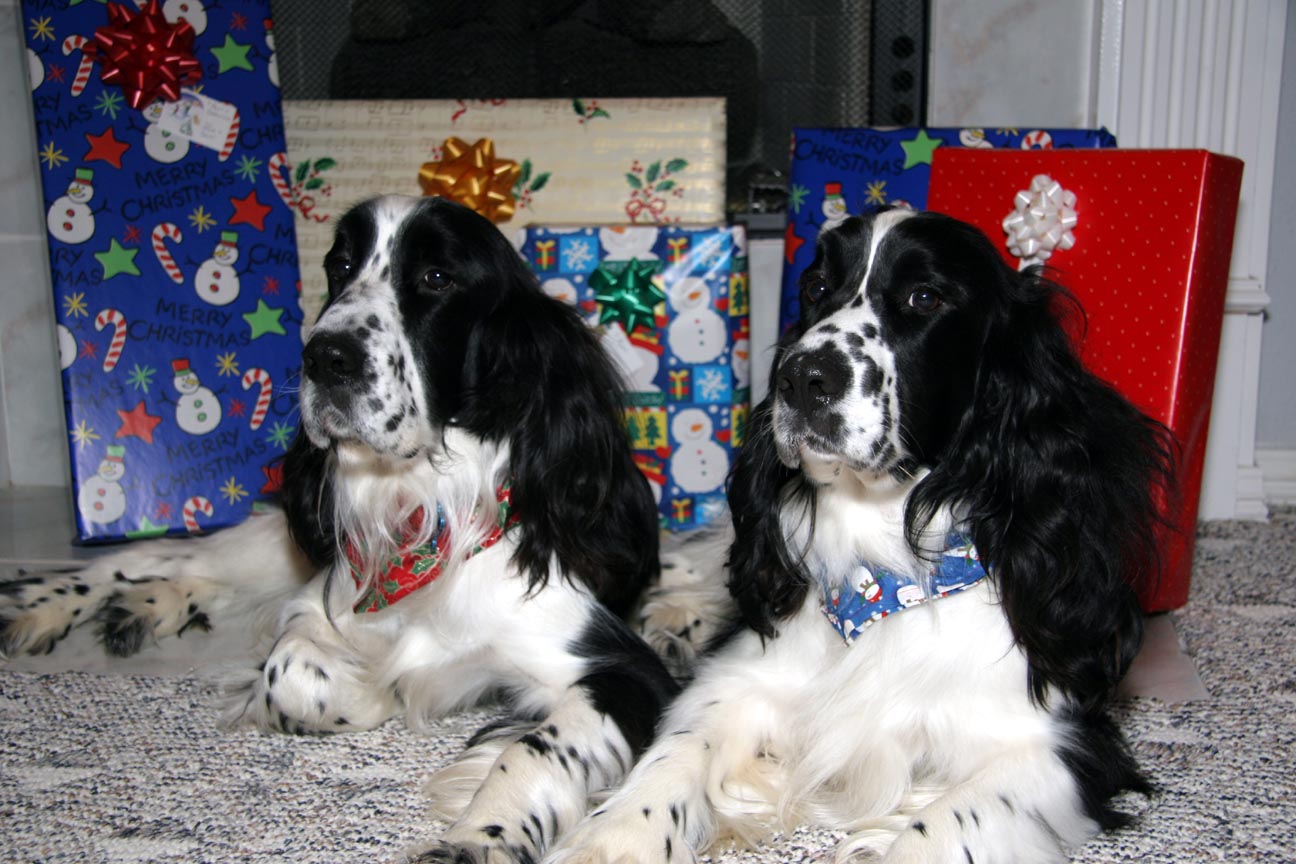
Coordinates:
x,y
1041,221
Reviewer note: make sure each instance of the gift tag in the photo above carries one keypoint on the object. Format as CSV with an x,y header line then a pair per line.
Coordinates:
x,y
204,121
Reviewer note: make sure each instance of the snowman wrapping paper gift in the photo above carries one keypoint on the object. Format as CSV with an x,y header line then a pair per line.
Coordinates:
x,y
172,257
671,308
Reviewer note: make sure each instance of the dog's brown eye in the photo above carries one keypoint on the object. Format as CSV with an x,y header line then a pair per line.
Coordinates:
x,y
337,269
924,300
814,290
435,280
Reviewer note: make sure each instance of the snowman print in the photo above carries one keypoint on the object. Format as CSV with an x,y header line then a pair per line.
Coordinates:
x,y
698,464
186,10
161,145
833,208
102,499
742,363
197,411
35,69
272,66
697,335
217,282
626,243
67,346
70,218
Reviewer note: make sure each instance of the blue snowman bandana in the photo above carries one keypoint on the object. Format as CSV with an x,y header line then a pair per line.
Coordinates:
x,y
871,593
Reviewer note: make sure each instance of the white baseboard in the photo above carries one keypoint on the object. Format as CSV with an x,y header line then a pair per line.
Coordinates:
x,y
1278,467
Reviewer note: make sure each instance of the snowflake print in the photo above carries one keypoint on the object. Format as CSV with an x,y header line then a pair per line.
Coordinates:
x,y
52,156
248,168
141,377
877,192
201,219
711,385
41,28
83,434
75,304
578,255
227,364
109,102
281,435
233,490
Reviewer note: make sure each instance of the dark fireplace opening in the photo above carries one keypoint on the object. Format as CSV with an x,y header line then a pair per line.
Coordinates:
x,y
778,63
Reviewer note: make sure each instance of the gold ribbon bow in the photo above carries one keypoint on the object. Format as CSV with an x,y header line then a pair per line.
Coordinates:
x,y
471,175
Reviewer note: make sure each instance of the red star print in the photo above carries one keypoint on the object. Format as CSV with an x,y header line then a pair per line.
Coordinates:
x,y
88,349
163,511
791,243
106,148
137,422
56,73
274,478
271,286
238,22
249,211
133,234
237,408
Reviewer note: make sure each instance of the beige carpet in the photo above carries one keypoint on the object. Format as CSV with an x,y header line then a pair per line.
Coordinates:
x,y
133,768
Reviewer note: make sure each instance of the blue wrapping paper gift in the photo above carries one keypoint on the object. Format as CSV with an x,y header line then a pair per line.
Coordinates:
x,y
838,172
671,306
172,256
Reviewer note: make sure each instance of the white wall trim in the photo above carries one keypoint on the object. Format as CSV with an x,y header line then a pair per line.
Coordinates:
x,y
1278,468
1207,73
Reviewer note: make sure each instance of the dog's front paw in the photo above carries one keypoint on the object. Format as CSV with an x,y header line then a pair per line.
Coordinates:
x,y
627,835
494,851
37,611
307,687
688,607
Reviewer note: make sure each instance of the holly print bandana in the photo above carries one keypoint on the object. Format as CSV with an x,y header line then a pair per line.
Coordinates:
x,y
410,569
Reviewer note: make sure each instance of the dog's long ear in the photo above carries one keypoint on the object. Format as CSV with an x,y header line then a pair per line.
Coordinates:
x,y
1061,479
557,399
307,499
766,579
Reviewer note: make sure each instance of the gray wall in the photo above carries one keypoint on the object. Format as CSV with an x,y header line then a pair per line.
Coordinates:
x,y
1276,417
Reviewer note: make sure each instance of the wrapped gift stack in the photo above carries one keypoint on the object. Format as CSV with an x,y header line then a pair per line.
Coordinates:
x,y
1143,239
172,257
837,172
516,161
671,306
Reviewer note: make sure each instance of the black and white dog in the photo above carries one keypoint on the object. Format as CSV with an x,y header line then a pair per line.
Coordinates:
x,y
468,521
939,516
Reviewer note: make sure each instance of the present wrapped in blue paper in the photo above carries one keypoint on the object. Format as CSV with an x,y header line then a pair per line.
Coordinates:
x,y
172,256
838,172
671,307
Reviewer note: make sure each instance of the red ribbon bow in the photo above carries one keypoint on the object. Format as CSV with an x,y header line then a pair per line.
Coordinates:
x,y
145,55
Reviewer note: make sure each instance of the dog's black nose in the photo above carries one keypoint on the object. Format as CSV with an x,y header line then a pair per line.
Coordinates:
x,y
812,380
330,359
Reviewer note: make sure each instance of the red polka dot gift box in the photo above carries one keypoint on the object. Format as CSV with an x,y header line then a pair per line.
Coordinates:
x,y
1143,238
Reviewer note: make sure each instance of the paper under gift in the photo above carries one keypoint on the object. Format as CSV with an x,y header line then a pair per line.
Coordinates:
x,y
172,257
516,161
671,305
1143,238
838,172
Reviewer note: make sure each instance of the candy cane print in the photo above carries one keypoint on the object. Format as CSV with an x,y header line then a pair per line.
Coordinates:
x,y
262,377
118,320
195,505
1037,140
278,162
230,138
163,232
78,43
